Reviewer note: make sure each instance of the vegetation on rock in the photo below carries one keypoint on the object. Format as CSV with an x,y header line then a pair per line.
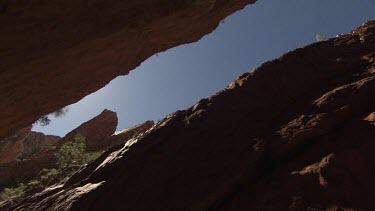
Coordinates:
x,y
320,38
71,156
45,120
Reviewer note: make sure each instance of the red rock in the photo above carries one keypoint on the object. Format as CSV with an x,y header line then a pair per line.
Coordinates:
x,y
288,136
72,48
24,144
98,132
24,131
95,131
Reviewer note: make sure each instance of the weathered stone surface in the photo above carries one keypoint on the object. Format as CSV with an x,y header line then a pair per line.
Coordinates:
x,y
53,53
290,135
96,131
123,136
24,144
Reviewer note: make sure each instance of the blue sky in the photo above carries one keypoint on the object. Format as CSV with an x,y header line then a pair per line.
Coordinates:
x,y
181,76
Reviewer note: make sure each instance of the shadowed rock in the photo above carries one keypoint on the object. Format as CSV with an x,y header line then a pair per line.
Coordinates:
x,y
95,131
296,133
24,144
53,53
99,136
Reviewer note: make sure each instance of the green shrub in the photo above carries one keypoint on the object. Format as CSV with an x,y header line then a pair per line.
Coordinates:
x,y
50,176
187,121
12,193
45,120
34,184
71,156
320,38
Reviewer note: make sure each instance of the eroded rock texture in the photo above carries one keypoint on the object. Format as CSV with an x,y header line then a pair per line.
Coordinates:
x,y
24,144
95,131
53,53
297,133
38,150
123,136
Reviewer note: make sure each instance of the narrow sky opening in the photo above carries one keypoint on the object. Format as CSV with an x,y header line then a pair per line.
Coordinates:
x,y
181,76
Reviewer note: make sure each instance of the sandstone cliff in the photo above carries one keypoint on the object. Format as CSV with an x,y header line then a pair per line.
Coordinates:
x,y
95,131
123,136
24,144
53,53
98,132
297,133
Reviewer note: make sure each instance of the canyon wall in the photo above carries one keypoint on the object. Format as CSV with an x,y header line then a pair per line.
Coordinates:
x,y
53,53
38,150
24,144
296,133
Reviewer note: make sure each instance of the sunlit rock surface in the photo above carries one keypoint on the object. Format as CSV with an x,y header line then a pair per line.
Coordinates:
x,y
123,136
95,131
297,133
53,53
24,144
98,132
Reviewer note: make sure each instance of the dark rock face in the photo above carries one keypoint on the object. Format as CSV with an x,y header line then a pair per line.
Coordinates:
x,y
297,133
53,53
